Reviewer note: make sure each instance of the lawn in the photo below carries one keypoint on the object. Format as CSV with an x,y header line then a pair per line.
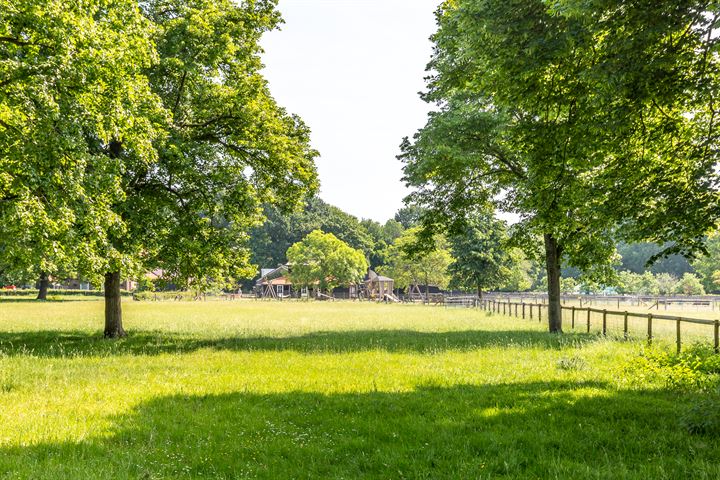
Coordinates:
x,y
331,390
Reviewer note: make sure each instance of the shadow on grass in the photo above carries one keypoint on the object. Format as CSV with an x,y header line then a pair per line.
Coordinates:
x,y
78,343
527,430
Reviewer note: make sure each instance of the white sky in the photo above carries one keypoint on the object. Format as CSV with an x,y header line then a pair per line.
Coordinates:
x,y
352,69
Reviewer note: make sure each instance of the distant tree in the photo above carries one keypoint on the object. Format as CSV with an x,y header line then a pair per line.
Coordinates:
x,y
481,255
708,265
627,282
690,284
667,284
270,241
409,216
635,258
321,259
648,284
545,110
392,230
521,273
407,266
568,285
383,235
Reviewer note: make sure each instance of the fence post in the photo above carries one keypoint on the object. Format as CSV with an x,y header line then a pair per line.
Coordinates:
x,y
531,315
572,317
588,320
650,317
516,306
539,313
717,336
678,335
523,310
604,322
625,326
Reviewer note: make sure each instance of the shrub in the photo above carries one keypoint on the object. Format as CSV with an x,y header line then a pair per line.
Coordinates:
x,y
697,368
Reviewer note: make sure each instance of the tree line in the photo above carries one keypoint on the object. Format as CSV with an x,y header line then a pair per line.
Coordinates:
x,y
482,257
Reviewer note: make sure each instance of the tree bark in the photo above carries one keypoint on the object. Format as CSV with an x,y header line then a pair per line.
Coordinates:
x,y
43,285
479,288
113,306
552,263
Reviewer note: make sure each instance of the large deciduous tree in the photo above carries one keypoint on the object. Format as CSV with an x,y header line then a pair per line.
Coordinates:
x,y
70,74
324,261
590,120
155,143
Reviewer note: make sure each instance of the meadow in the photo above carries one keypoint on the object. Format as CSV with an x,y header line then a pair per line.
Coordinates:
x,y
275,390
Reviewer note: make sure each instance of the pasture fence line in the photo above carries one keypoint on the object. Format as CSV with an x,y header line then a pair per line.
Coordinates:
x,y
534,311
656,302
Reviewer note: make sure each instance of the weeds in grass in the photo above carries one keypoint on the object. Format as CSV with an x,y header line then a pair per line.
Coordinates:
x,y
695,369
573,363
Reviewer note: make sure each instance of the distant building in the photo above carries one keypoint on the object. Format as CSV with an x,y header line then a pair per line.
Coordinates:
x,y
276,283
378,287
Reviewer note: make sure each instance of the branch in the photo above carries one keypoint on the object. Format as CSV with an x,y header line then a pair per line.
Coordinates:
x,y
14,41
208,122
179,93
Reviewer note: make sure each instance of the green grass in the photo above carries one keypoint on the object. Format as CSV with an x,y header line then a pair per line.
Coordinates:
x,y
330,390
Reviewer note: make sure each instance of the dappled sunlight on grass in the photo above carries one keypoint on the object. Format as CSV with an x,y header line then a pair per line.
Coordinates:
x,y
328,390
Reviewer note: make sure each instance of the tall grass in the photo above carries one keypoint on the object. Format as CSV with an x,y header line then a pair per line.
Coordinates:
x,y
331,390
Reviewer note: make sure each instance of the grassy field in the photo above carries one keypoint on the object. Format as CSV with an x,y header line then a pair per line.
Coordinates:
x,y
332,390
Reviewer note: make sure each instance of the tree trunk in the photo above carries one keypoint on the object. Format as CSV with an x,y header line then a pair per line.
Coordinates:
x,y
427,290
113,306
479,292
552,263
43,285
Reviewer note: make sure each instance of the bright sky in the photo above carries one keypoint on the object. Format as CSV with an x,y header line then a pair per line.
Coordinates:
x,y
352,69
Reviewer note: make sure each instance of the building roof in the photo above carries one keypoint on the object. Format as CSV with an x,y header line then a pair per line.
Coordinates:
x,y
374,277
379,278
271,274
278,281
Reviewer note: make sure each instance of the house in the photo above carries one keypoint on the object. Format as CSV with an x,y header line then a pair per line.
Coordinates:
x,y
274,283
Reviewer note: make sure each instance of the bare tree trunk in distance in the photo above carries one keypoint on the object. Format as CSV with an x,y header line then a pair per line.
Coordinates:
x,y
43,285
552,263
113,306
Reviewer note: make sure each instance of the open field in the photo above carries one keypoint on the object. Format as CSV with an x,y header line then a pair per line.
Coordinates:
x,y
330,390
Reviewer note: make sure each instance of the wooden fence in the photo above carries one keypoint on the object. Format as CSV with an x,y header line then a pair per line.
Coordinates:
x,y
581,316
655,302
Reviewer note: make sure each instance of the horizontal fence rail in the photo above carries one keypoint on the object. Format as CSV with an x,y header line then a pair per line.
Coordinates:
x,y
655,302
583,316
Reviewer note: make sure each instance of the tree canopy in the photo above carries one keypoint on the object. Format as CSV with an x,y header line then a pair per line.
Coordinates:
x,y
156,140
579,118
321,259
